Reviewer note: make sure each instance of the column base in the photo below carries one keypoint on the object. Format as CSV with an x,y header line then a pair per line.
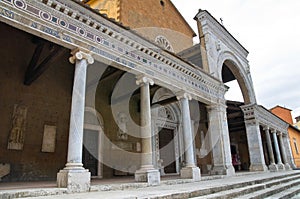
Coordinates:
x,y
258,167
280,166
223,170
287,166
74,180
152,177
273,167
191,173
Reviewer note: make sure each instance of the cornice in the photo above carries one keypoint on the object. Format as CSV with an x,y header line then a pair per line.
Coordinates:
x,y
209,23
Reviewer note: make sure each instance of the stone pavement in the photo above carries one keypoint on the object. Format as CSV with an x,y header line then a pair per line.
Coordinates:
x,y
173,188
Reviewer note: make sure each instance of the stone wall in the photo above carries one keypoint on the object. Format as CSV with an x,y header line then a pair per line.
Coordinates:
x,y
47,100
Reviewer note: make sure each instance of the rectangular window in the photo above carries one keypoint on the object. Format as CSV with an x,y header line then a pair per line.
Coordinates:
x,y
295,144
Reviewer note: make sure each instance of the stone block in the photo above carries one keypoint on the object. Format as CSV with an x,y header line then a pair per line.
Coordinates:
x,y
74,180
152,177
273,167
280,166
223,170
191,173
258,167
287,167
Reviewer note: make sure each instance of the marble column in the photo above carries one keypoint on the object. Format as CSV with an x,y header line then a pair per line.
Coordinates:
x,y
277,151
287,144
147,172
272,165
256,153
220,141
283,151
74,176
190,170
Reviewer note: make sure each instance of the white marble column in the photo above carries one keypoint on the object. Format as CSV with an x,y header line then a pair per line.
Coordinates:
x,y
146,173
190,170
280,166
272,165
282,148
287,144
220,141
74,176
257,159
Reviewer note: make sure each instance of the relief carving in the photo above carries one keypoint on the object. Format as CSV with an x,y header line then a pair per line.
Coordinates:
x,y
122,124
16,137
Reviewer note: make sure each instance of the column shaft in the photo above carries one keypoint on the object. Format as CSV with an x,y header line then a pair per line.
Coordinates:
x,y
269,144
187,133
74,177
284,155
277,151
147,172
77,116
146,159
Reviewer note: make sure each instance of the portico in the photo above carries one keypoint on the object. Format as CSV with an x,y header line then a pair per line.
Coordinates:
x,y
137,94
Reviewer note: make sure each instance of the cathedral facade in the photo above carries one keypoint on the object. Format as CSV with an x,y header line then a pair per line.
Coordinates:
x,y
117,88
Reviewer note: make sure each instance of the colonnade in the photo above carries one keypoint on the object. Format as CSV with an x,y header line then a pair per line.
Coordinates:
x,y
77,179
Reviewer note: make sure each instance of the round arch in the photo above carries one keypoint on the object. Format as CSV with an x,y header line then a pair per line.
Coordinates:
x,y
242,76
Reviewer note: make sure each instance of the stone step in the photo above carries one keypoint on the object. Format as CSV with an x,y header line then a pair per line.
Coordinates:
x,y
271,190
287,194
234,191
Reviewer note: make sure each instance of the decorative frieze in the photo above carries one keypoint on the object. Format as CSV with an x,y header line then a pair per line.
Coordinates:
x,y
64,23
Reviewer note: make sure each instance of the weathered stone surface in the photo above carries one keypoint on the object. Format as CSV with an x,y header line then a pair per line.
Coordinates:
x,y
150,176
191,172
74,181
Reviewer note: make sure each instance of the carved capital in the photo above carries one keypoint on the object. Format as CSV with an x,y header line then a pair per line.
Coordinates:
x,y
140,80
266,129
183,94
273,131
79,55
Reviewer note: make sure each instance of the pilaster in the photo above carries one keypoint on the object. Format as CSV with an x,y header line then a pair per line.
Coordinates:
x,y
220,142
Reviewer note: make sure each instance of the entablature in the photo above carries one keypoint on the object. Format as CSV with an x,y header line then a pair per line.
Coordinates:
x,y
70,24
254,113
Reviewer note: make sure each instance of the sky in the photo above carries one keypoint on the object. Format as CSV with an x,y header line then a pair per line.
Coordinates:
x,y
270,31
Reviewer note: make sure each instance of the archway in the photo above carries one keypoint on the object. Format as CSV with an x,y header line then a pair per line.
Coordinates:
x,y
166,133
231,69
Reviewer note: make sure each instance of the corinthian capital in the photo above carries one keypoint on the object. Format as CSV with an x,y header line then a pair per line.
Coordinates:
x,y
79,55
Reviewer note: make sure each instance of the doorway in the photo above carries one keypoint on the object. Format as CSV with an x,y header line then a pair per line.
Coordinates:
x,y
167,150
90,151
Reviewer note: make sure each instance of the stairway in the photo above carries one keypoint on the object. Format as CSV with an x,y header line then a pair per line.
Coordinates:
x,y
4,170
279,187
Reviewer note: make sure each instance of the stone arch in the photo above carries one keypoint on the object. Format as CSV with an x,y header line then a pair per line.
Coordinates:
x,y
166,117
241,73
162,94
